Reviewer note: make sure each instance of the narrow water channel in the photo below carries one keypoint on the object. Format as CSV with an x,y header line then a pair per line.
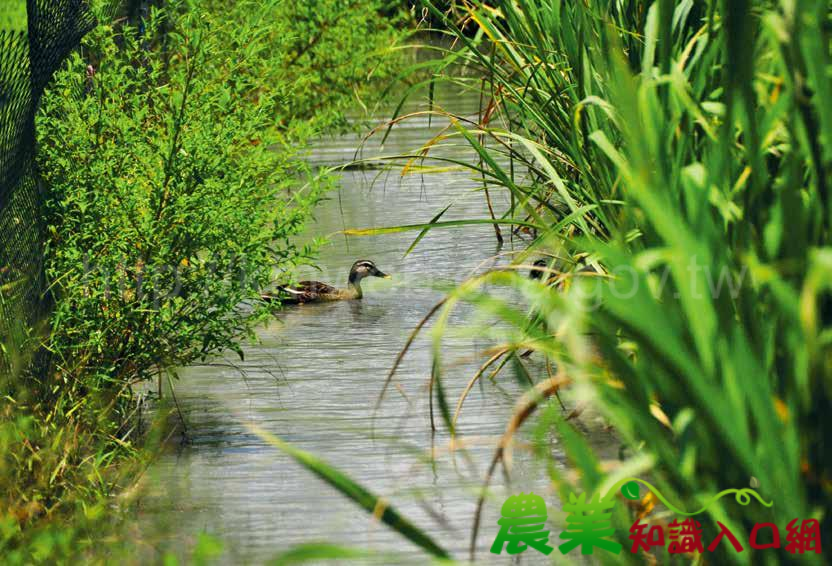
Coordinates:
x,y
315,375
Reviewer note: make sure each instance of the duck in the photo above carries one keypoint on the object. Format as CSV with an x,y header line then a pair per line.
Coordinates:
x,y
315,291
539,269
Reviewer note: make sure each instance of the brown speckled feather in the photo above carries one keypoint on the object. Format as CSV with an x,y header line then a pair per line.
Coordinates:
x,y
305,292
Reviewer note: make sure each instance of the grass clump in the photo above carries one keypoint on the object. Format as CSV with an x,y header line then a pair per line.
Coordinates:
x,y
680,152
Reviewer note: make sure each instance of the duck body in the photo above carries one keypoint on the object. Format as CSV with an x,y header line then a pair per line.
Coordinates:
x,y
314,291
317,292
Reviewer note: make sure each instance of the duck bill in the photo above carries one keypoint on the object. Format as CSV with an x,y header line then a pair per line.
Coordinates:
x,y
384,275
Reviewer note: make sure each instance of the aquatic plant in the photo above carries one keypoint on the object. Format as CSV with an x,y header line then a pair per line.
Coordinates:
x,y
682,151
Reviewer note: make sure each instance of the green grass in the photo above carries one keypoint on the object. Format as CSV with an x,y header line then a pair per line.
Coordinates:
x,y
683,150
13,15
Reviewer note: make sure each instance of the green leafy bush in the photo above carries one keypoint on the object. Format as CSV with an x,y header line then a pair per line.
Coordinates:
x,y
334,56
173,197
172,157
338,53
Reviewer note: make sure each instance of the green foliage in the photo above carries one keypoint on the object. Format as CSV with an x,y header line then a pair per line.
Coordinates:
x,y
334,55
339,53
13,15
173,196
53,466
172,153
175,181
50,471
683,151
320,552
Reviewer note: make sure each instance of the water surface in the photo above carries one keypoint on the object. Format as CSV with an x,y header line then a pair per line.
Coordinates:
x,y
317,371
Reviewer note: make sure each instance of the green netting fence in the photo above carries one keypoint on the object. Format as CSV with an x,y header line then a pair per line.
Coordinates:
x,y
35,38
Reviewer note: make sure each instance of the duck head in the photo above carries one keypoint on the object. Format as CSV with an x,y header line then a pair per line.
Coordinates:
x,y
365,268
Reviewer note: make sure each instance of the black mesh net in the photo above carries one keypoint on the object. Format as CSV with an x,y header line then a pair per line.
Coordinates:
x,y
29,54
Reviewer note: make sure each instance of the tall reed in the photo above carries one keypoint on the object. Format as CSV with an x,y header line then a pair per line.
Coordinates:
x,y
683,151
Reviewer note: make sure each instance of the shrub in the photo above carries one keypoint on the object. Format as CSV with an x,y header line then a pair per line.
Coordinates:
x,y
173,197
337,54
171,152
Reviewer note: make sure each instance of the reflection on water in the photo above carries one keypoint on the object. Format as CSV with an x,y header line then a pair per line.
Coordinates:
x,y
315,375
